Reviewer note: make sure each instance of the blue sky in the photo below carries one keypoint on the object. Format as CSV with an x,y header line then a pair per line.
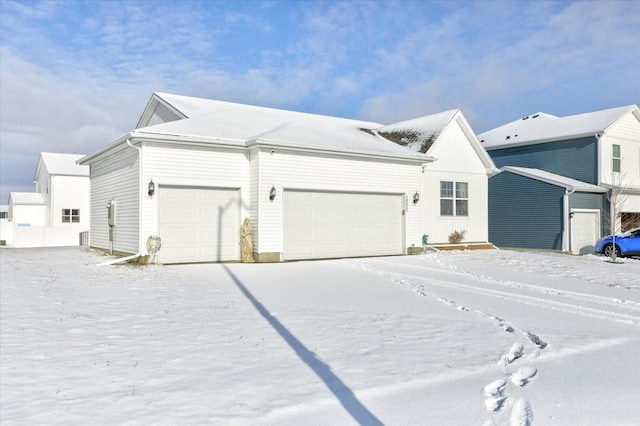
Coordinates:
x,y
76,75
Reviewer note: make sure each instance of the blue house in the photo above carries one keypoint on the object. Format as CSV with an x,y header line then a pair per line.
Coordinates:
x,y
556,175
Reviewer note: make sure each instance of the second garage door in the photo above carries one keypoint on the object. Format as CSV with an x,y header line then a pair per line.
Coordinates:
x,y
198,224
330,225
585,231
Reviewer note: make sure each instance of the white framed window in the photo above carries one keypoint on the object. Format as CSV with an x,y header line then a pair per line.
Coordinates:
x,y
70,215
615,158
454,198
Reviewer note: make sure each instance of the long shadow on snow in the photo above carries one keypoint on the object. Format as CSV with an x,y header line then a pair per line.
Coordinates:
x,y
342,392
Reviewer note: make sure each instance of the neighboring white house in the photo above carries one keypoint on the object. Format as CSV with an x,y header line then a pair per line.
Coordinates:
x,y
312,186
58,211
454,188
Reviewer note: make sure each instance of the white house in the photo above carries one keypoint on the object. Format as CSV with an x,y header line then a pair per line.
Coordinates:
x,y
58,211
454,188
312,186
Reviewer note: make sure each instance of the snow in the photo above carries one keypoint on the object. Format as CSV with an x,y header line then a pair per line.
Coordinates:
x,y
488,337
26,198
540,127
241,125
554,179
63,164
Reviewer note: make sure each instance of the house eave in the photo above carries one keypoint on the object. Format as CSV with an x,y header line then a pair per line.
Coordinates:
x,y
266,143
136,137
92,158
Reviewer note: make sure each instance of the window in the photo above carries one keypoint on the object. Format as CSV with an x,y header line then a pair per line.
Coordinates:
x,y
615,159
70,215
454,198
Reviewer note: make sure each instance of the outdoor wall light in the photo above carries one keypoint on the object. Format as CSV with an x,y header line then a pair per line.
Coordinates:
x,y
416,198
272,193
152,188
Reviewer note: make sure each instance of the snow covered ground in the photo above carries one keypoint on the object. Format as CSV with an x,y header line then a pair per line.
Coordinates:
x,y
452,338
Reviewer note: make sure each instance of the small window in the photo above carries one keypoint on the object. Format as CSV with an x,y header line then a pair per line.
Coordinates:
x,y
454,198
70,215
615,159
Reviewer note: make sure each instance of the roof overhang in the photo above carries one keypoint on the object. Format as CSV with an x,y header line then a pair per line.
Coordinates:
x,y
136,137
556,180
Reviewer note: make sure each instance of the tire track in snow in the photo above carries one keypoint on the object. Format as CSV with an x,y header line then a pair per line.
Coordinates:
x,y
454,270
419,284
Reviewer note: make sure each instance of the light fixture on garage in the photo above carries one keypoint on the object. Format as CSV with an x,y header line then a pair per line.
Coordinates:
x,y
152,188
272,193
416,198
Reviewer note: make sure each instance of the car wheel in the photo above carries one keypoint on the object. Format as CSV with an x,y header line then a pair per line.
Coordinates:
x,y
608,250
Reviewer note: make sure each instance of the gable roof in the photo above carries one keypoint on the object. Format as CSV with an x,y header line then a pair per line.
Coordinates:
x,y
554,179
26,198
206,121
541,127
420,134
61,164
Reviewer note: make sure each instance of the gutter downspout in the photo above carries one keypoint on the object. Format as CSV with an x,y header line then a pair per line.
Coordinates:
x,y
599,161
126,259
565,216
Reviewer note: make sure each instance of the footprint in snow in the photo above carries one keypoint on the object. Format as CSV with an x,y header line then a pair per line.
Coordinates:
x,y
523,375
506,327
493,391
514,353
536,340
521,414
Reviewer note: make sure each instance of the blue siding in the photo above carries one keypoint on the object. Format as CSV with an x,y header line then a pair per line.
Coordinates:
x,y
586,200
524,212
575,158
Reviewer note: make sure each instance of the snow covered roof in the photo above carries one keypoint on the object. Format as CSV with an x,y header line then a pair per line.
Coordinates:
x,y
244,125
541,127
420,133
554,179
28,198
61,164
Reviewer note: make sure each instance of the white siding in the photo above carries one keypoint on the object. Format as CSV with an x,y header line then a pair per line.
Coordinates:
x,y
254,177
28,215
626,133
115,178
191,166
456,161
43,186
628,127
162,114
71,192
307,171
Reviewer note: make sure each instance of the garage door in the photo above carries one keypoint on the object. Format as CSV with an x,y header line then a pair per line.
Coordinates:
x,y
198,224
585,231
328,225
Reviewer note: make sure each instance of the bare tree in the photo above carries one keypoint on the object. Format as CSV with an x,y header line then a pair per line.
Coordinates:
x,y
613,220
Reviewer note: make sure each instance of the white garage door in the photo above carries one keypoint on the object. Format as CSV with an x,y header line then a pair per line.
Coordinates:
x,y
585,231
198,224
328,224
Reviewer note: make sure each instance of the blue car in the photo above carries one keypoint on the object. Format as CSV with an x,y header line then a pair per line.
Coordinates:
x,y
625,244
